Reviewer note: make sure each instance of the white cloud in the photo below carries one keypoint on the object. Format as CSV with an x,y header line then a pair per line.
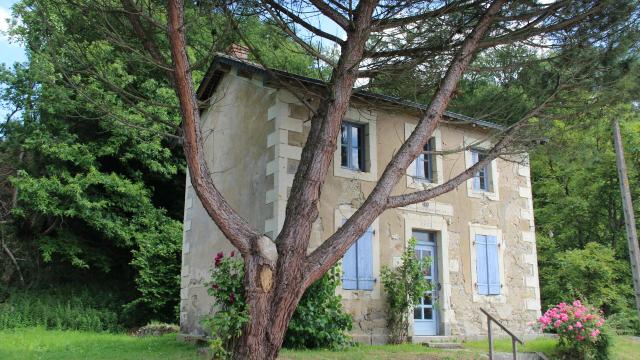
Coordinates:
x,y
5,15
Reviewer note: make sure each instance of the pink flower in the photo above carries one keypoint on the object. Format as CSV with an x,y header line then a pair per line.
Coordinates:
x,y
233,253
218,258
580,337
595,333
557,323
578,324
577,303
570,327
564,317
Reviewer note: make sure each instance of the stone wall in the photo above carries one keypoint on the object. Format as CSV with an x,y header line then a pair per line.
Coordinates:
x,y
236,141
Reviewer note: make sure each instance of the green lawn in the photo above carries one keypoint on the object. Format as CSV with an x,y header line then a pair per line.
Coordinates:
x,y
543,344
36,343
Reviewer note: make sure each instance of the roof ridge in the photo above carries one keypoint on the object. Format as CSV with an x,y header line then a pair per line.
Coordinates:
x,y
250,65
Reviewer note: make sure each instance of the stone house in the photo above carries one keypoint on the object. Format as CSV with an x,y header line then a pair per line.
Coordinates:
x,y
480,235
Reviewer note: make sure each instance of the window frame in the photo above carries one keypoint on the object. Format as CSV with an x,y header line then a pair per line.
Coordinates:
x,y
426,156
349,146
473,145
437,167
482,180
368,118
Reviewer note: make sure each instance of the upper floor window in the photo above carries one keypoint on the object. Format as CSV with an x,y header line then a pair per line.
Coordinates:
x,y
481,179
353,146
425,162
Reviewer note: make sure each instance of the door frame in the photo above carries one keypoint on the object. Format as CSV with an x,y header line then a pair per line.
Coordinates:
x,y
436,223
435,281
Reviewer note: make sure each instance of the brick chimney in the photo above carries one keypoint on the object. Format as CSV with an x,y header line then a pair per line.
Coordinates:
x,y
238,51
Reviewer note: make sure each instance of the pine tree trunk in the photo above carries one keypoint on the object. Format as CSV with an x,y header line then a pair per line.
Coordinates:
x,y
271,300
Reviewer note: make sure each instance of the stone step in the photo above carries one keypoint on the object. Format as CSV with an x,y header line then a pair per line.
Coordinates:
x,y
434,339
443,345
521,356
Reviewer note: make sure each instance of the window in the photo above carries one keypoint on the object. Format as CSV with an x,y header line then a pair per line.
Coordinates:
x,y
487,265
482,179
353,146
425,162
357,264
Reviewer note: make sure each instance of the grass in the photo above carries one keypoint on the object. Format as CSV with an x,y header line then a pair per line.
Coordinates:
x,y
625,348
543,344
38,343
381,352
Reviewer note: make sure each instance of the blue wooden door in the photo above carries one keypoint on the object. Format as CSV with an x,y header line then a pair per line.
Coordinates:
x,y
425,314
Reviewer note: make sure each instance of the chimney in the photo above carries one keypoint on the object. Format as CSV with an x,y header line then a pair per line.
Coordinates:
x,y
238,51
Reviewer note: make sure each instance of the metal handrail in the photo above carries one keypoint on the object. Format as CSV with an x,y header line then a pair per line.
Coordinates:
x,y
514,339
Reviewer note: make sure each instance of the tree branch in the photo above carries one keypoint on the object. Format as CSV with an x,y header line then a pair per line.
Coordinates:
x,y
232,225
331,13
298,20
321,259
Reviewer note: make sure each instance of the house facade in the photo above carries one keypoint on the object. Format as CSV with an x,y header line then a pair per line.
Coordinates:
x,y
480,236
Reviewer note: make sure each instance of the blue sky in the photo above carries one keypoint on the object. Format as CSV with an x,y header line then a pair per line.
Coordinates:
x,y
10,52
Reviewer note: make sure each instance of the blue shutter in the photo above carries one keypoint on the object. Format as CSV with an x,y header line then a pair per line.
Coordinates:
x,y
493,265
476,176
349,270
365,261
481,265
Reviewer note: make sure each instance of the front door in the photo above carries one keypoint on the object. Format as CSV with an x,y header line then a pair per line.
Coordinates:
x,y
425,314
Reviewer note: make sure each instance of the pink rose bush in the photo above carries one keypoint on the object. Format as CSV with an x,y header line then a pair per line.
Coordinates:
x,y
231,313
579,327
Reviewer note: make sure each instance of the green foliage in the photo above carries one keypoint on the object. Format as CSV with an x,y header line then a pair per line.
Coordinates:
x,y
404,286
319,320
157,261
580,224
231,314
625,322
101,185
606,287
61,309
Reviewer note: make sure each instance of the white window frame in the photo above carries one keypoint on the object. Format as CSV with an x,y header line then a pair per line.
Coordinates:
x,y
418,183
480,229
471,144
367,118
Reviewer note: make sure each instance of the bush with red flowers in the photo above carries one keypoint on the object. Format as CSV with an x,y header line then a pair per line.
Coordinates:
x,y
580,330
231,313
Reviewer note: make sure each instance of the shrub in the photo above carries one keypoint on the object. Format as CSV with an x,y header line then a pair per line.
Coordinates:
x,y
580,330
609,287
404,285
157,264
625,323
231,311
63,309
319,320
